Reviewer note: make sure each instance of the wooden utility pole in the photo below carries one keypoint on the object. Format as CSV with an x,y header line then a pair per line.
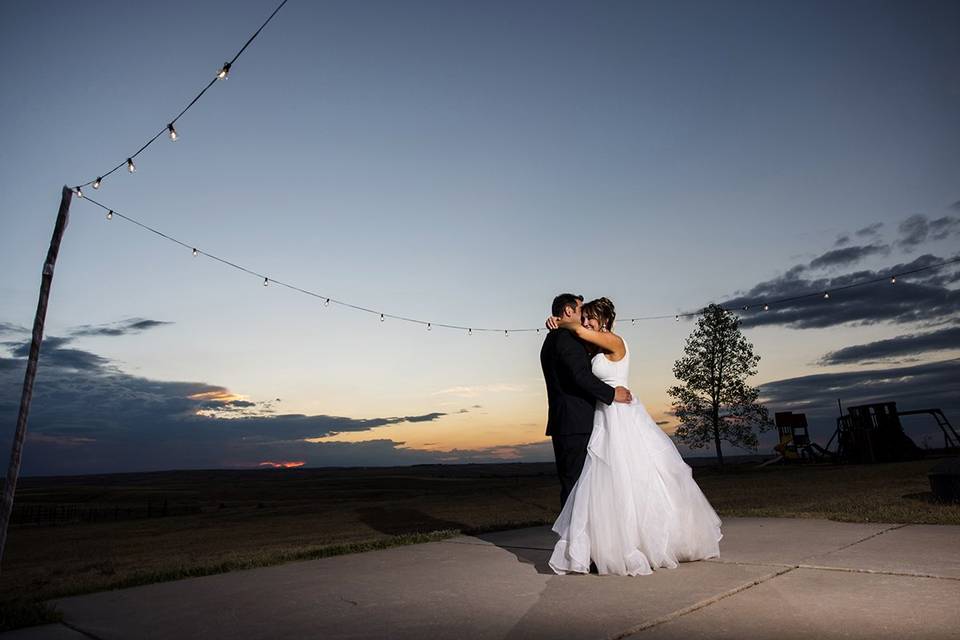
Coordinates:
x,y
13,471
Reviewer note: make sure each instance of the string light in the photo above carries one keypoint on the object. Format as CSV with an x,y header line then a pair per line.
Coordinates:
x,y
429,325
79,192
506,334
381,317
893,279
169,129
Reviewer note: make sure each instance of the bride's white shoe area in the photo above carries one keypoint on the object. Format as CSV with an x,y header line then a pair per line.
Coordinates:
x,y
636,506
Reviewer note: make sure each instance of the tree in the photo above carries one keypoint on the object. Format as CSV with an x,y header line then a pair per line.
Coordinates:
x,y
714,402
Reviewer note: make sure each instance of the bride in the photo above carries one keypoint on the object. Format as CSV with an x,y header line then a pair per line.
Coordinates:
x,y
635,507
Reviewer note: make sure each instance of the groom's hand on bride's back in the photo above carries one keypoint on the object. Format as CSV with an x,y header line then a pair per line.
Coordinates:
x,y
622,394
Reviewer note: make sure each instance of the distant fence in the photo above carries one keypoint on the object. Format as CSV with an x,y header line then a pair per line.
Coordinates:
x,y
52,514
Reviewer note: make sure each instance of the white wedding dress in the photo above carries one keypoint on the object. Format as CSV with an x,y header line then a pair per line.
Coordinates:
x,y
635,507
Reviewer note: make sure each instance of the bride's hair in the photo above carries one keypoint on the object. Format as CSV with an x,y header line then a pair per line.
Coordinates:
x,y
602,311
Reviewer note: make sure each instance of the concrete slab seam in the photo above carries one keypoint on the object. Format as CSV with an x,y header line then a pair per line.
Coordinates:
x,y
876,572
673,615
80,631
847,546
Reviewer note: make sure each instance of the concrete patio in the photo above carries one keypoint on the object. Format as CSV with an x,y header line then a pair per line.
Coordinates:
x,y
780,578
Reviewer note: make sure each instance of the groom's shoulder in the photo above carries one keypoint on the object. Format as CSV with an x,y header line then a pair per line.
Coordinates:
x,y
564,339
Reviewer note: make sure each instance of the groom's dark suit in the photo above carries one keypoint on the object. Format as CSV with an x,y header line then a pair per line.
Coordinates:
x,y
572,394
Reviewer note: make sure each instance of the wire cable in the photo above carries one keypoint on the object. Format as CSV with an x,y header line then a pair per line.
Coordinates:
x,y
169,126
328,300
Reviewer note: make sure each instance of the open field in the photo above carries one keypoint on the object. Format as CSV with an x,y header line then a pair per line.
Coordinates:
x,y
225,520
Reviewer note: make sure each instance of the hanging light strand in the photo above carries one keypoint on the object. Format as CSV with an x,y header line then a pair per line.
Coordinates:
x,y
169,127
327,300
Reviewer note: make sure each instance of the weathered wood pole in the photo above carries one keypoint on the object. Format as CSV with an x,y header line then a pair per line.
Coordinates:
x,y
46,279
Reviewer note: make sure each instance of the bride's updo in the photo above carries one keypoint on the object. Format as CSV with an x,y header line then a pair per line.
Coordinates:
x,y
602,311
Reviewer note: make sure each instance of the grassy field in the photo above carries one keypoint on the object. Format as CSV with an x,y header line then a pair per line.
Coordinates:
x,y
243,519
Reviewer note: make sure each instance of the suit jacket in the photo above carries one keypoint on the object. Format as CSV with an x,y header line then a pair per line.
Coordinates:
x,y
572,389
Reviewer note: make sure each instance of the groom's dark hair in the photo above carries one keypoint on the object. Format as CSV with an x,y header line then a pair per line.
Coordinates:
x,y
563,301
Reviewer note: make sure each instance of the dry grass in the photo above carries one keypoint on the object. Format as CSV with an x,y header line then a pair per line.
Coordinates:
x,y
259,518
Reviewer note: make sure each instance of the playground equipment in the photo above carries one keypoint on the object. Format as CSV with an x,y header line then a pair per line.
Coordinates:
x,y
868,433
873,433
795,443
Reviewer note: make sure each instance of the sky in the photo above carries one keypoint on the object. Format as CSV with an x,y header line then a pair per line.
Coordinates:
x,y
463,163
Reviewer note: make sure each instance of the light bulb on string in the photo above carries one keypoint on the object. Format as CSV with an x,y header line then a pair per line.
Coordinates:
x,y
110,214
172,132
766,307
130,166
469,332
826,295
224,71
506,334
326,302
381,317
266,281
195,252
79,192
893,279
429,327
96,183
677,318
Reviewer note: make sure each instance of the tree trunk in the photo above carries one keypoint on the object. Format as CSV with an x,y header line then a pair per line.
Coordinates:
x,y
716,435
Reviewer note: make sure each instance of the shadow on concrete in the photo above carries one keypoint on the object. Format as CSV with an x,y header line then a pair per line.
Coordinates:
x,y
535,557
404,520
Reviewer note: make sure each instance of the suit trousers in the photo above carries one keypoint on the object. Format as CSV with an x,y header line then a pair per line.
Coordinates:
x,y
570,451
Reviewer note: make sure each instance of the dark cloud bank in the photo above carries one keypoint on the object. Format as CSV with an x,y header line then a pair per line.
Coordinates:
x,y
928,302
88,416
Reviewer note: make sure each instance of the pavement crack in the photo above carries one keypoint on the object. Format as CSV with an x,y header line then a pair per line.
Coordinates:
x,y
673,615
81,631
904,574
856,542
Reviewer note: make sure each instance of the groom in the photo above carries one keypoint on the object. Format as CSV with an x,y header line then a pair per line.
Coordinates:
x,y
572,393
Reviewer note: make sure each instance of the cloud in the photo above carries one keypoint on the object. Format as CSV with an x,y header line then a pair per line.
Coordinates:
x,y
918,229
924,386
54,353
848,255
905,345
124,327
88,416
10,328
922,297
842,239
477,390
870,230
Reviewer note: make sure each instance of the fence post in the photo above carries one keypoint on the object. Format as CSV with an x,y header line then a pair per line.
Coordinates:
x,y
16,452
